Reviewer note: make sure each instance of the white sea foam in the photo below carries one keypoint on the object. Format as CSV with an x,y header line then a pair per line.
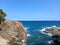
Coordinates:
x,y
42,31
51,27
50,41
26,28
28,35
49,34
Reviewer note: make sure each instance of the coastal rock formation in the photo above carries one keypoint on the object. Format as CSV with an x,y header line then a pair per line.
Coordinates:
x,y
53,30
12,33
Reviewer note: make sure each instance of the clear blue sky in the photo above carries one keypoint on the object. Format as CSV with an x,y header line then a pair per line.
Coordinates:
x,y
31,9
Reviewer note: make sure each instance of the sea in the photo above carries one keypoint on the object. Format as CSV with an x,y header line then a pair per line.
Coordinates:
x,y
35,33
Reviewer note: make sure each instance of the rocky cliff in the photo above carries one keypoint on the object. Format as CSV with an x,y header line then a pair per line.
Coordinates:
x,y
12,33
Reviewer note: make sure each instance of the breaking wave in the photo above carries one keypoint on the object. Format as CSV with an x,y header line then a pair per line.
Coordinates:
x,y
42,30
28,35
26,28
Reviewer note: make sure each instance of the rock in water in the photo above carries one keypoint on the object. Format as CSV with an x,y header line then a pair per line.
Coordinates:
x,y
53,31
55,35
12,33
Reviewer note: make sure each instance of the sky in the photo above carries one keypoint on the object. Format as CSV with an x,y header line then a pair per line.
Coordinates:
x,y
31,10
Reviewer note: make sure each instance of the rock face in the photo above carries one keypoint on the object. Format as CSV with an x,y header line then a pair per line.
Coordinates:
x,y
55,35
53,31
12,33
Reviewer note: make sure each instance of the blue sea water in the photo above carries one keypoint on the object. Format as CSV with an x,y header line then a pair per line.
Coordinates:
x,y
34,28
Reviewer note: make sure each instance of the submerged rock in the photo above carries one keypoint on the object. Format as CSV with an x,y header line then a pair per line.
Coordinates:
x,y
13,33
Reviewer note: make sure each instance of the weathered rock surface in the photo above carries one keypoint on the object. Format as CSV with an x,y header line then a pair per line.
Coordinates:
x,y
12,33
53,31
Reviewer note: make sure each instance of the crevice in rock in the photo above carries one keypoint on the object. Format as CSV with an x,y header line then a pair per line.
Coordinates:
x,y
0,29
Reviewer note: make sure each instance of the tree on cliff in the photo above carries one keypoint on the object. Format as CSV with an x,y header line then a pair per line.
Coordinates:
x,y
2,15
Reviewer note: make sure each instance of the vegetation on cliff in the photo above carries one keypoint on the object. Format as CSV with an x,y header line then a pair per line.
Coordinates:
x,y
11,32
2,16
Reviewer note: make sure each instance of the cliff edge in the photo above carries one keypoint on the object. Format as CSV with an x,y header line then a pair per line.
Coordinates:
x,y
12,33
